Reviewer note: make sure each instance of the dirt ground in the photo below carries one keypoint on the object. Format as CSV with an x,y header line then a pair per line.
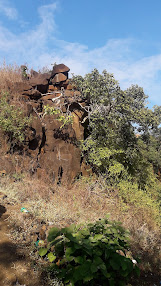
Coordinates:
x,y
15,269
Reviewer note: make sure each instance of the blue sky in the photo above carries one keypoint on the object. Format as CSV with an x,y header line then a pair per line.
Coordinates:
x,y
121,36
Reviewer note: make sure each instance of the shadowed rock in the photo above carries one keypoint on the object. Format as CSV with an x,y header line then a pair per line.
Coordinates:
x,y
41,81
2,210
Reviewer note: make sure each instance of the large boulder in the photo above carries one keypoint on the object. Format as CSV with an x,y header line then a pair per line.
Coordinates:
x,y
61,68
60,156
40,81
59,77
26,89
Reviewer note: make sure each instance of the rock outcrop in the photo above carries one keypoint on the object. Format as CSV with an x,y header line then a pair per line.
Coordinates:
x,y
52,150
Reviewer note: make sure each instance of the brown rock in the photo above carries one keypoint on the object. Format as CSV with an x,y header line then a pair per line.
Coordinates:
x,y
41,81
77,93
61,158
22,86
50,96
78,128
33,73
69,93
69,86
41,173
51,88
59,78
33,93
65,83
7,165
61,68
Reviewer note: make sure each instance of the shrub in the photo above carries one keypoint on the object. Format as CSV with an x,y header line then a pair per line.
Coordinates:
x,y
90,255
147,201
64,119
12,121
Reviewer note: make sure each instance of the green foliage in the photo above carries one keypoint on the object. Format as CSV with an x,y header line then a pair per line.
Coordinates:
x,y
64,119
143,200
115,118
90,255
24,72
12,120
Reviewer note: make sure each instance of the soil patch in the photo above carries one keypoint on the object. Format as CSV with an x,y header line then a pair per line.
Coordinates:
x,y
15,266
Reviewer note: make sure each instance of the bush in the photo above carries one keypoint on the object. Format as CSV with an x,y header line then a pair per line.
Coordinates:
x,y
12,121
146,201
93,255
64,119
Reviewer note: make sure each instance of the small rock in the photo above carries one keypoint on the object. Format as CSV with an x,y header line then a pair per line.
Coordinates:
x,y
69,86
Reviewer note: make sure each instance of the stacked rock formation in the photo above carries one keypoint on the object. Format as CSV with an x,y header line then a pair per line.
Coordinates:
x,y
51,150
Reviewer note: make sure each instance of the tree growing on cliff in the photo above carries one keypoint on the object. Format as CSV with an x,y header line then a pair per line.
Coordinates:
x,y
123,138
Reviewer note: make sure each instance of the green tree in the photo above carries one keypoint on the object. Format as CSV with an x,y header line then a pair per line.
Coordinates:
x,y
121,128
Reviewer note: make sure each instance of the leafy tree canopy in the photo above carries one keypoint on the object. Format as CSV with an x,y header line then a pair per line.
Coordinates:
x,y
124,134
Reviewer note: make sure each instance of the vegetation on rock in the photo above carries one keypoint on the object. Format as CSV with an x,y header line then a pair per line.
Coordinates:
x,y
64,119
12,120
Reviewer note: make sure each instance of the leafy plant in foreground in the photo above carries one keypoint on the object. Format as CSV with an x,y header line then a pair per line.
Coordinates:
x,y
93,255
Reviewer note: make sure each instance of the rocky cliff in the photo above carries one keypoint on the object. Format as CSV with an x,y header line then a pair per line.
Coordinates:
x,y
50,150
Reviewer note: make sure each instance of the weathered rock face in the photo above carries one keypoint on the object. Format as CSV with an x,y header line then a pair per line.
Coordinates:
x,y
51,149
61,68
59,77
41,81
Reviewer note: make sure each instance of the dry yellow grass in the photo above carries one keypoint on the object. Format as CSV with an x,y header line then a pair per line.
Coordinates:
x,y
82,203
9,74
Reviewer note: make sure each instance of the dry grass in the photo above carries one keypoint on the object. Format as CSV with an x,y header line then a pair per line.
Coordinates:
x,y
83,203
9,74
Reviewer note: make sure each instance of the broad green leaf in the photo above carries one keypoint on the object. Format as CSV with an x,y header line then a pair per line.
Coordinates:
x,y
98,237
85,232
69,251
102,267
97,261
69,229
51,257
94,268
105,273
98,252
123,263
88,277
114,264
43,251
79,259
137,270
